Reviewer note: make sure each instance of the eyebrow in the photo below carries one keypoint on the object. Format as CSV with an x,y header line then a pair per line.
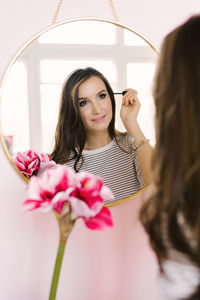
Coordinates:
x,y
85,98
101,92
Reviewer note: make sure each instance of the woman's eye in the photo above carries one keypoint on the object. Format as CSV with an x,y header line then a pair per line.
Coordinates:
x,y
102,96
82,103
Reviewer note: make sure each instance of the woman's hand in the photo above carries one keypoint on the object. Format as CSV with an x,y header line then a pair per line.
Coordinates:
x,y
129,112
130,108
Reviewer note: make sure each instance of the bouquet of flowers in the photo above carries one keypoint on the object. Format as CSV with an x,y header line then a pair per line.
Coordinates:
x,y
69,195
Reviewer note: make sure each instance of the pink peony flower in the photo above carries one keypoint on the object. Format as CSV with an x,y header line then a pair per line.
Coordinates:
x,y
27,162
51,190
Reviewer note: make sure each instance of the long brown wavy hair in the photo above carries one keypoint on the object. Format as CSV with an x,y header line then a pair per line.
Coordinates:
x,y
176,161
70,135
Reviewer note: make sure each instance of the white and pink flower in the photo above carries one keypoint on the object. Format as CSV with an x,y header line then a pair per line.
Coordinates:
x,y
84,192
51,190
87,201
31,163
45,162
27,162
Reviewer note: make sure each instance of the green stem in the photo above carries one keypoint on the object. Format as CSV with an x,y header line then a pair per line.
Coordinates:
x,y
65,228
57,268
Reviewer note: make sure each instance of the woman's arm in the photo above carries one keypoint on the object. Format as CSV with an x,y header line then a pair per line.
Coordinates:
x,y
129,111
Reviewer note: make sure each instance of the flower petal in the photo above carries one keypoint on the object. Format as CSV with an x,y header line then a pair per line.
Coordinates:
x,y
36,205
51,190
106,193
58,207
31,204
81,209
101,221
34,189
62,196
44,166
27,161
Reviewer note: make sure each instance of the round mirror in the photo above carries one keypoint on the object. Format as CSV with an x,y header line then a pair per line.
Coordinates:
x,y
31,88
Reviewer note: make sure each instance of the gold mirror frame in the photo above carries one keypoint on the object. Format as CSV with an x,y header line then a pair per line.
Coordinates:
x,y
5,147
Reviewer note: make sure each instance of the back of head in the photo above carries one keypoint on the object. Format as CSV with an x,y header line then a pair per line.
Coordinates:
x,y
177,86
176,163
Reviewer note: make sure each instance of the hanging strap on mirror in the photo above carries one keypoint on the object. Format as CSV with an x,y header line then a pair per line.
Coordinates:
x,y
114,12
57,12
111,3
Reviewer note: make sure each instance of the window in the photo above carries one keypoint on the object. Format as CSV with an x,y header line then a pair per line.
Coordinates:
x,y
33,87
15,110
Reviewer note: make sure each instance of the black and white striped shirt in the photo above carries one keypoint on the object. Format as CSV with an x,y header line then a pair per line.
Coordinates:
x,y
119,170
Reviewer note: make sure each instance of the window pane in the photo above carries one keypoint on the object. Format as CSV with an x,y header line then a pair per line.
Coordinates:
x,y
131,39
53,74
15,108
56,71
50,97
140,77
81,32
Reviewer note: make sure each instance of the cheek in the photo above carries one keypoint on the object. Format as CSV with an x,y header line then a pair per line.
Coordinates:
x,y
110,107
84,115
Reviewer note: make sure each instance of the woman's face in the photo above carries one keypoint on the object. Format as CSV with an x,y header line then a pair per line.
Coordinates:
x,y
95,105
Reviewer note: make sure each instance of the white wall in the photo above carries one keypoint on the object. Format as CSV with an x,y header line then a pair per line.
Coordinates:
x,y
20,20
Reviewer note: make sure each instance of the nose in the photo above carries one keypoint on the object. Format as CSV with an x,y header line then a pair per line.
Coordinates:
x,y
96,108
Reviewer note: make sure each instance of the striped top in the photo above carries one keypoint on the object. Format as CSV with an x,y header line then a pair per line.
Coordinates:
x,y
119,170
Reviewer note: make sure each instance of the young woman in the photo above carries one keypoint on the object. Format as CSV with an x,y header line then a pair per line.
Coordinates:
x,y
86,138
172,215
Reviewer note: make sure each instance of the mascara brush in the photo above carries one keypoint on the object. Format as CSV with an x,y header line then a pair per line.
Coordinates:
x,y
122,93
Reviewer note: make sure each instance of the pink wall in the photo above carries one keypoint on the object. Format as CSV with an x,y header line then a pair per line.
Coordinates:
x,y
114,264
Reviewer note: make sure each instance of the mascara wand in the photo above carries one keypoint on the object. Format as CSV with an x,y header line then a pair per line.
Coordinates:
x,y
122,93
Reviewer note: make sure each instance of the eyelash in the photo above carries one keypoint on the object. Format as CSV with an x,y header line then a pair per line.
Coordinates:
x,y
104,96
84,102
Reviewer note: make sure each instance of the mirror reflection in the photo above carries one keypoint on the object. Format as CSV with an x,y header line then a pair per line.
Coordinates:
x,y
86,138
33,87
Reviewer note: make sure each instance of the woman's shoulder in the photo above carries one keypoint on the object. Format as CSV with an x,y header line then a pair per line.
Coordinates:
x,y
125,141
121,136
179,279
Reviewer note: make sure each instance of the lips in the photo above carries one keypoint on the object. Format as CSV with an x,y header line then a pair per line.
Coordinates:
x,y
99,119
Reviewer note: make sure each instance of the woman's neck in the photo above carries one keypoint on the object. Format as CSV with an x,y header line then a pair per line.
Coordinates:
x,y
97,140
